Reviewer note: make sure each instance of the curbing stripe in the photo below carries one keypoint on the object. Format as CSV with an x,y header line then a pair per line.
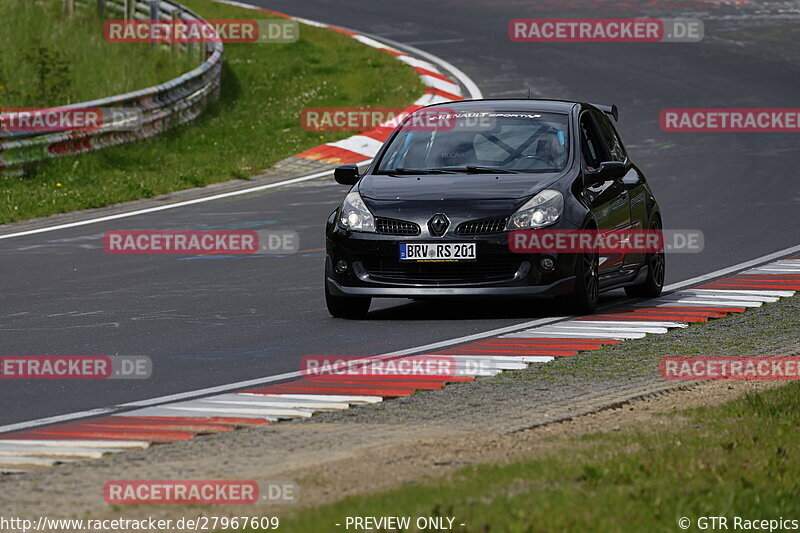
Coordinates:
x,y
324,397
509,351
584,326
121,445
25,450
29,462
223,410
167,411
633,323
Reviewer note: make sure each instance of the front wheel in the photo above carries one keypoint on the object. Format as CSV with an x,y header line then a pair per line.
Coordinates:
x,y
346,307
587,288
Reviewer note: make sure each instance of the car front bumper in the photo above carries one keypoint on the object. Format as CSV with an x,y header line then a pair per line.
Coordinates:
x,y
375,270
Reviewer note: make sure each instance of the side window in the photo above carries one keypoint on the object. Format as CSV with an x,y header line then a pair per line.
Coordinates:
x,y
591,146
611,138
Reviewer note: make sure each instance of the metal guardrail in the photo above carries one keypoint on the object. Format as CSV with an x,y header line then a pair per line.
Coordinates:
x,y
161,107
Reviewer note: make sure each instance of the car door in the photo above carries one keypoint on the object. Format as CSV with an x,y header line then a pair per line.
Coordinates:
x,y
609,200
633,183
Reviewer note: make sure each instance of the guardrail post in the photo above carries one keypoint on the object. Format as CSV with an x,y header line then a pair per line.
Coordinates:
x,y
101,7
155,14
155,9
130,9
69,7
174,46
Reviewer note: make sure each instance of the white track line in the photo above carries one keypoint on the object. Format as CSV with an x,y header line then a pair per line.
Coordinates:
x,y
473,91
167,206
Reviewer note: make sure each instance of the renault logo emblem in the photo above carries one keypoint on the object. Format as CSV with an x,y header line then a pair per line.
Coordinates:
x,y
438,224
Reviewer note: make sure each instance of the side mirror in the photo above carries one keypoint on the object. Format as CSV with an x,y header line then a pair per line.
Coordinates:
x,y
609,170
346,174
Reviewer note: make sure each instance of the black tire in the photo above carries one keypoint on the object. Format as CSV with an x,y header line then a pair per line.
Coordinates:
x,y
353,308
587,289
656,268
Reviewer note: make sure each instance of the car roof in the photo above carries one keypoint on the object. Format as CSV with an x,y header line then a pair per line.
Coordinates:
x,y
511,104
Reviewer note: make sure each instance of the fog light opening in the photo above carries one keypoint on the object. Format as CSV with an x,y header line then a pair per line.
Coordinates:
x,y
341,266
547,264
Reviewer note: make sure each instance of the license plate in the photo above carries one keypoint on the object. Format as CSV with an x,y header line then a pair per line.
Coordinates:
x,y
452,251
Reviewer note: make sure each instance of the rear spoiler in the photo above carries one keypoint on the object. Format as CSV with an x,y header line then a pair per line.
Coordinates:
x,y
609,110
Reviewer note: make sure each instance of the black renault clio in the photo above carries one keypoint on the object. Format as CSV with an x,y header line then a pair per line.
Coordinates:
x,y
432,215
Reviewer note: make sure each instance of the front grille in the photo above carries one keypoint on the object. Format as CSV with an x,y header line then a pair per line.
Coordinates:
x,y
390,226
486,268
482,227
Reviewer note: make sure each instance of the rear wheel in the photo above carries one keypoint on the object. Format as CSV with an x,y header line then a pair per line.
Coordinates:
x,y
346,307
587,289
656,268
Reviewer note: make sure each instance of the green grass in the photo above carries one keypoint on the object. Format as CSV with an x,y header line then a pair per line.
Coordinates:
x,y
49,59
741,459
253,125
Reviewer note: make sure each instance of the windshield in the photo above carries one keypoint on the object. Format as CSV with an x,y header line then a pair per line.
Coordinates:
x,y
504,142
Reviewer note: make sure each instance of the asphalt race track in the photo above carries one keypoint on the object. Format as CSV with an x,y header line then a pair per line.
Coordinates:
x,y
214,320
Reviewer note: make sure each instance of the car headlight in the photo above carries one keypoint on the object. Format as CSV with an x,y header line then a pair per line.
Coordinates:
x,y
541,211
354,215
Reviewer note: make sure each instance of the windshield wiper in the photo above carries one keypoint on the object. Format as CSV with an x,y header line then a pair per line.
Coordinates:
x,y
406,171
474,169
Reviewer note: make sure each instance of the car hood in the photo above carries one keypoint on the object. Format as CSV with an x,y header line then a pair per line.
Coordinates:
x,y
453,186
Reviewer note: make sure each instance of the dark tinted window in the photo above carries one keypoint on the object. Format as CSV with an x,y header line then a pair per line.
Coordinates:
x,y
591,145
610,137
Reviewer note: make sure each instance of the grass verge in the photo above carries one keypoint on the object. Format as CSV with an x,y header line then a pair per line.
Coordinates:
x,y
741,459
50,59
253,125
